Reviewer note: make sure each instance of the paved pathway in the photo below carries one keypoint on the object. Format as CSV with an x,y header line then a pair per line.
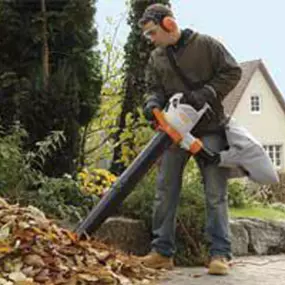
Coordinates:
x,y
263,270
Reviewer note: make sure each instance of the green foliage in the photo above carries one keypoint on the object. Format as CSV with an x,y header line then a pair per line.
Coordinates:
x,y
61,198
10,92
273,212
97,135
137,51
100,134
19,170
45,149
72,96
238,196
138,132
22,180
11,161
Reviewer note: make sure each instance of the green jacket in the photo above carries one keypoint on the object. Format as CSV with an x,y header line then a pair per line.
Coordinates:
x,y
202,59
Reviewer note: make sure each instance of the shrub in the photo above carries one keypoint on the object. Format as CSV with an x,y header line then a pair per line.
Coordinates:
x,y
268,194
22,181
11,162
238,195
61,198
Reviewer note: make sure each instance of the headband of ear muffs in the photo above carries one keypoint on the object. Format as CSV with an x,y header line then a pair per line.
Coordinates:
x,y
159,18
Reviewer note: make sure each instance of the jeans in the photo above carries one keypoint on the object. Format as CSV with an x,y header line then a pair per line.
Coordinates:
x,y
169,182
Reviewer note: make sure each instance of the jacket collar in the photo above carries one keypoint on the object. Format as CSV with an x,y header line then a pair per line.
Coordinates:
x,y
185,37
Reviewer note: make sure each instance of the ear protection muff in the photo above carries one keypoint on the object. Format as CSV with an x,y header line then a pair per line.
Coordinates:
x,y
168,24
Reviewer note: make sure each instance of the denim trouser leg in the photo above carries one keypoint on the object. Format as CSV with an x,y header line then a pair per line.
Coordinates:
x,y
169,182
215,187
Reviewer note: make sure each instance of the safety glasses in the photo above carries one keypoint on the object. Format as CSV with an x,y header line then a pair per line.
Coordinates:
x,y
150,32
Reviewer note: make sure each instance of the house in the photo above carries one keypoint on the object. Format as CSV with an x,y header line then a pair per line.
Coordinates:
x,y
257,104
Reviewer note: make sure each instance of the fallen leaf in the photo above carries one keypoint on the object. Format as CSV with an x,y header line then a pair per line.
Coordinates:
x,y
43,276
25,282
45,254
88,277
34,260
17,276
30,271
5,249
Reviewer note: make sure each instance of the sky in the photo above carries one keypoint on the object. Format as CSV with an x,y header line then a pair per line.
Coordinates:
x,y
250,29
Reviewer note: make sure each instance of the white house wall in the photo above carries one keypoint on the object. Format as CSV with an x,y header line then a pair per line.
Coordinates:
x,y
268,126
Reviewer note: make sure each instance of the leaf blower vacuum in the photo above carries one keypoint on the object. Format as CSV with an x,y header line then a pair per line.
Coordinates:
x,y
175,124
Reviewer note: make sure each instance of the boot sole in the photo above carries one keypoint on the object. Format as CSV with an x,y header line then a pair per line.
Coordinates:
x,y
215,270
159,266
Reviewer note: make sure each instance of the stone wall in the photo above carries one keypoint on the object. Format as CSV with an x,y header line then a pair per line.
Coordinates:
x,y
249,236
257,237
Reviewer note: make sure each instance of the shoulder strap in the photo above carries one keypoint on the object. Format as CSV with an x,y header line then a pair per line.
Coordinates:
x,y
186,81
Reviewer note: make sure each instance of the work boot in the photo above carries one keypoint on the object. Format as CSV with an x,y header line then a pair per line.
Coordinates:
x,y
219,265
157,261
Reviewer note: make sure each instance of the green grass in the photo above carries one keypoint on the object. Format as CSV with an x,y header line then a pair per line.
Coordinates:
x,y
258,212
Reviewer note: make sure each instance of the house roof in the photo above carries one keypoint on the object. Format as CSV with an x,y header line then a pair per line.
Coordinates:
x,y
248,68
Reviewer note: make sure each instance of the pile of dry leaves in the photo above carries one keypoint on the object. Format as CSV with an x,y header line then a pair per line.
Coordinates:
x,y
34,250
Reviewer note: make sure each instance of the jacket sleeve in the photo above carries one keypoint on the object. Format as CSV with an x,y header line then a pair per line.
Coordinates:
x,y
227,72
154,89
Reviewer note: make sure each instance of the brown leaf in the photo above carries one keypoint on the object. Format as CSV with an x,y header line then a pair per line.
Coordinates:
x,y
87,277
17,276
79,260
46,253
36,212
30,271
68,250
43,276
5,249
9,219
196,275
34,260
108,280
3,204
102,255
25,282
72,236
91,260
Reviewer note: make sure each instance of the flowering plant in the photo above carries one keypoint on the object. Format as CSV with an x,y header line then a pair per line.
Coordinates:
x,y
95,181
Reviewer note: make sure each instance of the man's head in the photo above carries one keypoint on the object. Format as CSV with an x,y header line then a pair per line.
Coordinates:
x,y
159,26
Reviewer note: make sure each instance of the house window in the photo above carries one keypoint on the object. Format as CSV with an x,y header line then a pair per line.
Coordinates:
x,y
275,153
255,104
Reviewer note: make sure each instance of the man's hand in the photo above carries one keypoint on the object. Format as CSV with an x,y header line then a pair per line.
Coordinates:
x,y
198,98
148,109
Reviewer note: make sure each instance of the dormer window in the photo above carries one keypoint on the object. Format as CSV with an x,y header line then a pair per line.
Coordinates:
x,y
255,104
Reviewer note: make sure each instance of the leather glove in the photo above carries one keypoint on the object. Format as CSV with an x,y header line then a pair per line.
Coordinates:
x,y
198,98
148,109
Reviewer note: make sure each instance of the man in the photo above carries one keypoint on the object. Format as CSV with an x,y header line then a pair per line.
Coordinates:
x,y
207,63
